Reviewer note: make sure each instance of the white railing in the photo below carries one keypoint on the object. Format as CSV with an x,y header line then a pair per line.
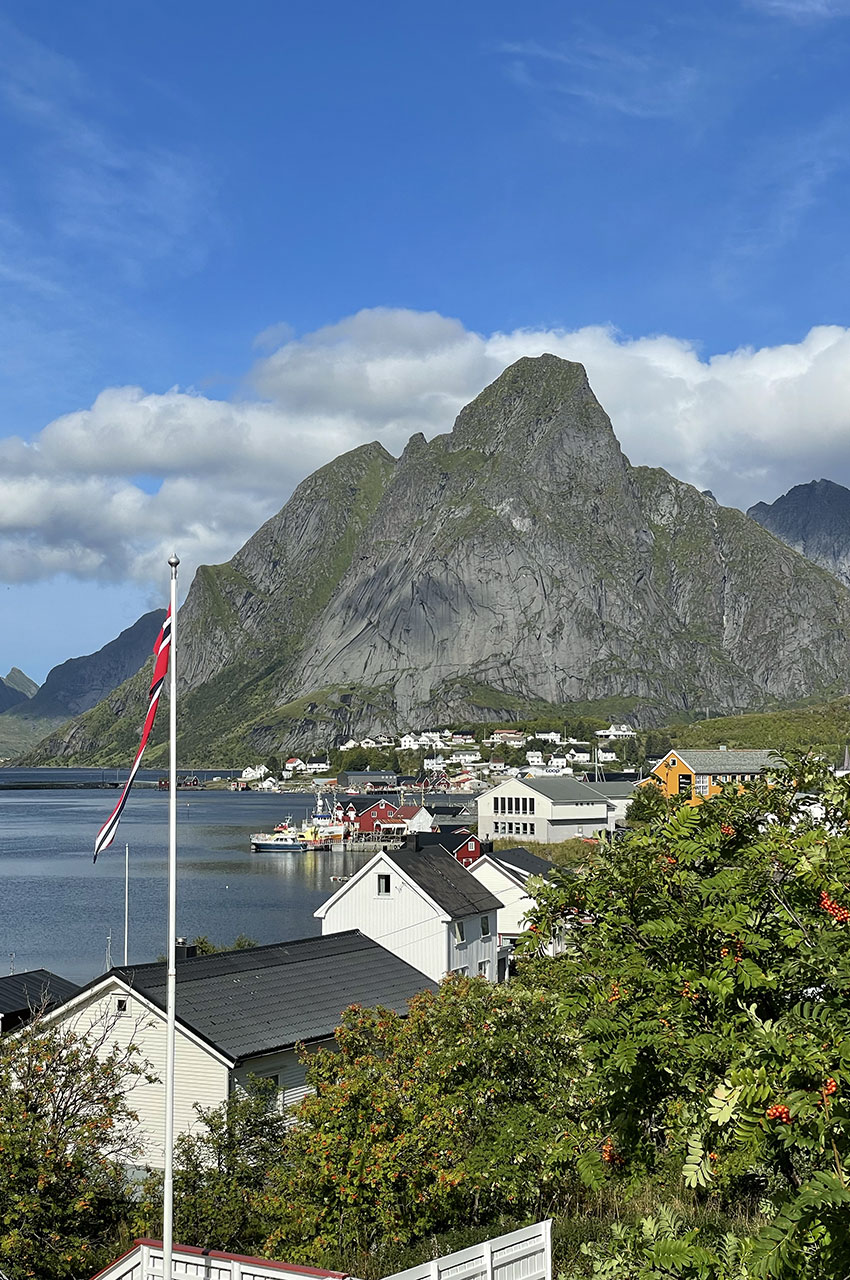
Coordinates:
x,y
144,1262
519,1255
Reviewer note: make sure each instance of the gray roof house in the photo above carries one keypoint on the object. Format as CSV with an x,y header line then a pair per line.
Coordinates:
x,y
544,810
506,873
24,994
423,905
239,1014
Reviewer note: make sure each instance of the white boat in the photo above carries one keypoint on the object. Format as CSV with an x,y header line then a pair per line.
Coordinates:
x,y
277,842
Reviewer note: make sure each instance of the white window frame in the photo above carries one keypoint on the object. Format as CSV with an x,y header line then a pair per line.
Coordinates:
x,y
384,878
459,933
485,927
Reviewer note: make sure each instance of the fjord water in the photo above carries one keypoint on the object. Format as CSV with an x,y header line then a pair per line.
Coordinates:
x,y
56,908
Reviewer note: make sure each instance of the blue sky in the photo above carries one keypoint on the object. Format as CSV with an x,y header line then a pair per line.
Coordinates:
x,y
237,239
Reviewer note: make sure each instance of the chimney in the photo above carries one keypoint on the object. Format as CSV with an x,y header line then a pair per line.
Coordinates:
x,y
184,950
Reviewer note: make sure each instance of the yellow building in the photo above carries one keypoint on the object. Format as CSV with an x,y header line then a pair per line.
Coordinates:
x,y
698,774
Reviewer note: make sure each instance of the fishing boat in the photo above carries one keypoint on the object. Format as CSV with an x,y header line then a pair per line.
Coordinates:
x,y
277,842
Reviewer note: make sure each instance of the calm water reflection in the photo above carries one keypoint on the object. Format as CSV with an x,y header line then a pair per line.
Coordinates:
x,y
56,908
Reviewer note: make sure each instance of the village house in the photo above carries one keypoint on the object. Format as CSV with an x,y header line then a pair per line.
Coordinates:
x,y
408,742
239,1014
543,809
367,779
370,814
699,774
22,995
506,874
461,843
616,731
617,793
425,907
416,817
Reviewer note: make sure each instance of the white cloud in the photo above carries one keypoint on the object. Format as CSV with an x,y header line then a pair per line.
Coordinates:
x,y
106,493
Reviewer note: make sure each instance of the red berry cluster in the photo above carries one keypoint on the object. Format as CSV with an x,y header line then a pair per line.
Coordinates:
x,y
688,993
839,914
830,1086
616,992
609,1155
726,829
779,1112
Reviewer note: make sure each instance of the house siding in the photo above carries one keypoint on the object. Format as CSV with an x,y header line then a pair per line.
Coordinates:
x,y
515,900
551,820
199,1075
286,1066
475,949
401,921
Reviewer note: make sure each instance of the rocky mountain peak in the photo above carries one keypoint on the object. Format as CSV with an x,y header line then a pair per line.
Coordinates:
x,y
538,402
814,519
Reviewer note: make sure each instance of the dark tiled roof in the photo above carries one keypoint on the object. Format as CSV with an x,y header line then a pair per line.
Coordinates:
x,y
266,998
522,862
443,878
20,992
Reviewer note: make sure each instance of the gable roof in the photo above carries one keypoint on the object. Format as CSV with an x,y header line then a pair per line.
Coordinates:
x,y
747,760
361,803
521,862
445,881
564,790
263,999
22,992
613,790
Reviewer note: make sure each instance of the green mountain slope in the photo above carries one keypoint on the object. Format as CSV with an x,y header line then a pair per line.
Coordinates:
x,y
517,562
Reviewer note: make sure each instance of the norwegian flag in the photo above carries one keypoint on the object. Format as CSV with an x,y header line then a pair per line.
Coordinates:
x,y
106,834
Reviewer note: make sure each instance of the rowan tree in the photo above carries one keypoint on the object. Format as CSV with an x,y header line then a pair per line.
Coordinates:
x,y
65,1129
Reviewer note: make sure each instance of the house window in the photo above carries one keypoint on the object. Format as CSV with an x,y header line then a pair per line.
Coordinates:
x,y
383,886
485,926
510,804
525,828
470,844
374,813
459,932
531,828
701,784
685,784
510,828
462,970
122,1005
524,804
531,806
484,968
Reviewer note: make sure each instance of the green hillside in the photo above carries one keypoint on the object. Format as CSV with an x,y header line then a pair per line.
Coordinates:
x,y
824,725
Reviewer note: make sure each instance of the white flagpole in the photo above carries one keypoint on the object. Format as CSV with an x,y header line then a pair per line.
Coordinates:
x,y
168,1184
126,900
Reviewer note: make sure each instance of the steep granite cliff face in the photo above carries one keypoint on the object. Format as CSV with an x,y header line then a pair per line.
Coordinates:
x,y
519,561
814,519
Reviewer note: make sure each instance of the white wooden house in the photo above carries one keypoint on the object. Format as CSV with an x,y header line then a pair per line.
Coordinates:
x,y
239,1014
506,873
425,907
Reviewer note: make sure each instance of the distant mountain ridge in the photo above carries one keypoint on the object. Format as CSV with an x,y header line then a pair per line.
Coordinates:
x,y
75,686
516,564
814,519
16,679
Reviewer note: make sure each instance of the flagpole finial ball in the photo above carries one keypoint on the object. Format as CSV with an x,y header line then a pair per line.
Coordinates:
x,y
173,560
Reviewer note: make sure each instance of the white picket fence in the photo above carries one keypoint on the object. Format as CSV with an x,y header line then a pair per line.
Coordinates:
x,y
519,1255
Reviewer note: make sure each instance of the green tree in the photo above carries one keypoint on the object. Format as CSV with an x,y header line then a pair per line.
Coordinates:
x,y
451,1115
648,803
206,947
64,1124
221,1172
706,977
